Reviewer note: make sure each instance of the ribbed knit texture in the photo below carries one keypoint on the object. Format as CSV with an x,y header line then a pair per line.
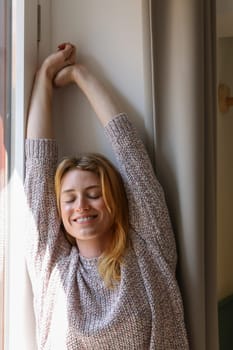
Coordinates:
x,y
73,308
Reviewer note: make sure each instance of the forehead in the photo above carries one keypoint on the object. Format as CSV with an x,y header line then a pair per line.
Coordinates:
x,y
79,179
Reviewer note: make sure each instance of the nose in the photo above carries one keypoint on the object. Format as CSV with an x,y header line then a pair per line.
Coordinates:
x,y
81,205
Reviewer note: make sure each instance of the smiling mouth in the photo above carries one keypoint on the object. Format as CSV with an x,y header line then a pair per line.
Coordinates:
x,y
85,219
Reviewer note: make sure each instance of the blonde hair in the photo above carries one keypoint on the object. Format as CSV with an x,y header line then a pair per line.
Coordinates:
x,y
115,199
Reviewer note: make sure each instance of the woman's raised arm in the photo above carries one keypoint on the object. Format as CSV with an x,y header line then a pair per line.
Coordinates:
x,y
101,101
39,123
43,223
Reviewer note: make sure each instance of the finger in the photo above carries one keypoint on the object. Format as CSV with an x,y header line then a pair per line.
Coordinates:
x,y
61,46
68,52
64,46
71,59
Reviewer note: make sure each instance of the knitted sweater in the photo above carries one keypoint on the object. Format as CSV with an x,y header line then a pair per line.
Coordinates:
x,y
73,308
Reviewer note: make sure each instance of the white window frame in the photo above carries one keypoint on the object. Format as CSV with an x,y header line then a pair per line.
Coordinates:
x,y
19,319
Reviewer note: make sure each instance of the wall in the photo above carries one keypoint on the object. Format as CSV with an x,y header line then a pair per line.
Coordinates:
x,y
224,151
224,17
113,40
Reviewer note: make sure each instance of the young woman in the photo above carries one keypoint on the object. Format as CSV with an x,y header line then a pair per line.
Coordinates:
x,y
101,253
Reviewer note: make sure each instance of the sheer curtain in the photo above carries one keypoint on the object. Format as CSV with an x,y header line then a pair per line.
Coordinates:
x,y
184,79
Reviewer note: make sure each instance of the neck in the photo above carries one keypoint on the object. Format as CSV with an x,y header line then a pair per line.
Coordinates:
x,y
92,248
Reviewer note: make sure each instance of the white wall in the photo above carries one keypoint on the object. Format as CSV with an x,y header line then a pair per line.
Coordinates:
x,y
113,40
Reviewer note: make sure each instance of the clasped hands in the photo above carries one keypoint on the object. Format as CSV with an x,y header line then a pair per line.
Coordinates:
x,y
59,67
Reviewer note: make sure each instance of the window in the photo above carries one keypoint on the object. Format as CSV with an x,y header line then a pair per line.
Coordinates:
x,y
4,147
18,45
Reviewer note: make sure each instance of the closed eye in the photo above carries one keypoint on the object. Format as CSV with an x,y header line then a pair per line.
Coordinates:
x,y
68,200
94,195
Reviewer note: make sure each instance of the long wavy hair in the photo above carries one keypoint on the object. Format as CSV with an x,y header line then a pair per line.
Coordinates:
x,y
114,196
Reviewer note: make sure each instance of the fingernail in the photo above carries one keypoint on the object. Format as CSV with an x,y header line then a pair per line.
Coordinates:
x,y
61,46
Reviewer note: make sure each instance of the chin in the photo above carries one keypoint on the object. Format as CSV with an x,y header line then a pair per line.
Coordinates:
x,y
86,236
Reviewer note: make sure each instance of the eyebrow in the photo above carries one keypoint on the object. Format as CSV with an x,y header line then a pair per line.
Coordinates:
x,y
87,188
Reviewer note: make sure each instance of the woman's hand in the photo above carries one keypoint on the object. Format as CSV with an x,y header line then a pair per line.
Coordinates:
x,y
63,57
65,76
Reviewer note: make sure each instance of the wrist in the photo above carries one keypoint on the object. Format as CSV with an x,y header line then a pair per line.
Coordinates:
x,y
43,79
46,72
80,72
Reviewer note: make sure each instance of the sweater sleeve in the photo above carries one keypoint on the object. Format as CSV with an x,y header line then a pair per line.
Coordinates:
x,y
45,241
149,216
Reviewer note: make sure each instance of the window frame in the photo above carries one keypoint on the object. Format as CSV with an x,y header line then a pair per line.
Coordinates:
x,y
5,98
19,318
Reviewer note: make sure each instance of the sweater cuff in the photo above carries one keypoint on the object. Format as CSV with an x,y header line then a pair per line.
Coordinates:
x,y
120,124
41,149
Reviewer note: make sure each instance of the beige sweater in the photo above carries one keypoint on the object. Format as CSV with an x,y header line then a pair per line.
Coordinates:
x,y
73,308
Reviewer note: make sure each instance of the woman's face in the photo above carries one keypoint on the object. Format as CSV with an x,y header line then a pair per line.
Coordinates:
x,y
83,211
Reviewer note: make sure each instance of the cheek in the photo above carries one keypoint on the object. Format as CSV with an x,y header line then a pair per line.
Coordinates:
x,y
105,211
102,207
65,211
